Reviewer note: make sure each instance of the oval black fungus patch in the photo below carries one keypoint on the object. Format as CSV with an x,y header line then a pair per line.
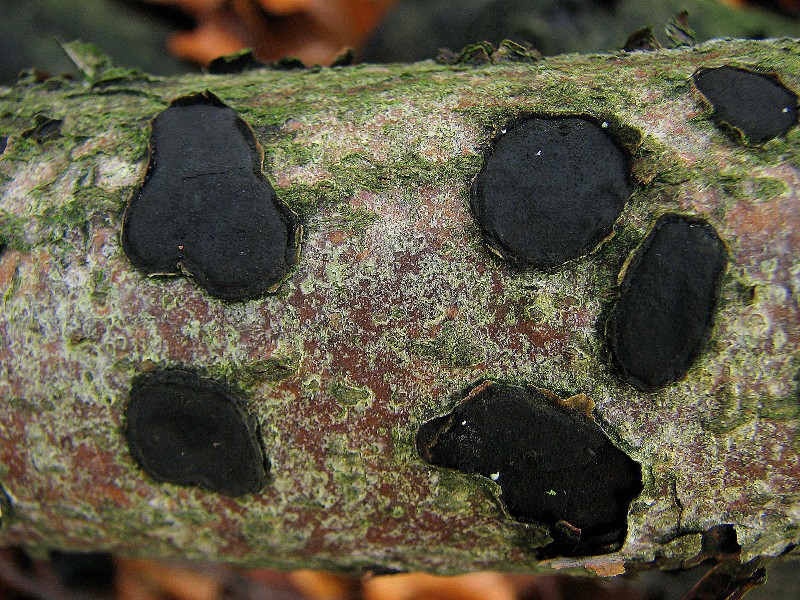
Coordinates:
x,y
757,105
554,465
667,301
550,190
205,207
190,431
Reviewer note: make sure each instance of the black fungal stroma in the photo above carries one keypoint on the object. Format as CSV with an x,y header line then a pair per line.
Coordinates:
x,y
667,301
190,431
554,465
757,105
550,190
206,208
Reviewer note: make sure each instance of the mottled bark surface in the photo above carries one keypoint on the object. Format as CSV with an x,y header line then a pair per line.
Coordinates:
x,y
394,309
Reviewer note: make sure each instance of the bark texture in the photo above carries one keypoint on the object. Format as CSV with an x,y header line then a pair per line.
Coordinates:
x,y
394,308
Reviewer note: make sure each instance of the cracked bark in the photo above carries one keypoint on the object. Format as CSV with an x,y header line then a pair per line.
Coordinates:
x,y
393,310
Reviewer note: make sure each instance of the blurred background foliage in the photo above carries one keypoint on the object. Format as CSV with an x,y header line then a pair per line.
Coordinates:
x,y
96,576
556,26
131,33
166,37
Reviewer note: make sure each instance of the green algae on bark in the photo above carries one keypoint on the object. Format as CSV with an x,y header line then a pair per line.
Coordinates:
x,y
394,308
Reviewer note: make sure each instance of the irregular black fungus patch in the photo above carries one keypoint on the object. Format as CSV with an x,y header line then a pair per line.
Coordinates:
x,y
667,302
205,207
3,142
550,190
554,465
190,431
758,106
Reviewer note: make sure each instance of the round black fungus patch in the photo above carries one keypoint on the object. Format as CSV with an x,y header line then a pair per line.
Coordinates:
x,y
667,301
550,190
757,105
205,207
553,465
190,431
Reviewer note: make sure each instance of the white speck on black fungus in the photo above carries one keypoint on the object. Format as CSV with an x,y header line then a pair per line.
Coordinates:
x,y
757,105
206,208
553,465
667,302
186,430
550,190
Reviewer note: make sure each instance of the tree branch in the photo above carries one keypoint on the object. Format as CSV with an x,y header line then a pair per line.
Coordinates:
x,y
405,291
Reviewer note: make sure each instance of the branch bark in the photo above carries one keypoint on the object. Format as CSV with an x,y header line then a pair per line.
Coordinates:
x,y
393,310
